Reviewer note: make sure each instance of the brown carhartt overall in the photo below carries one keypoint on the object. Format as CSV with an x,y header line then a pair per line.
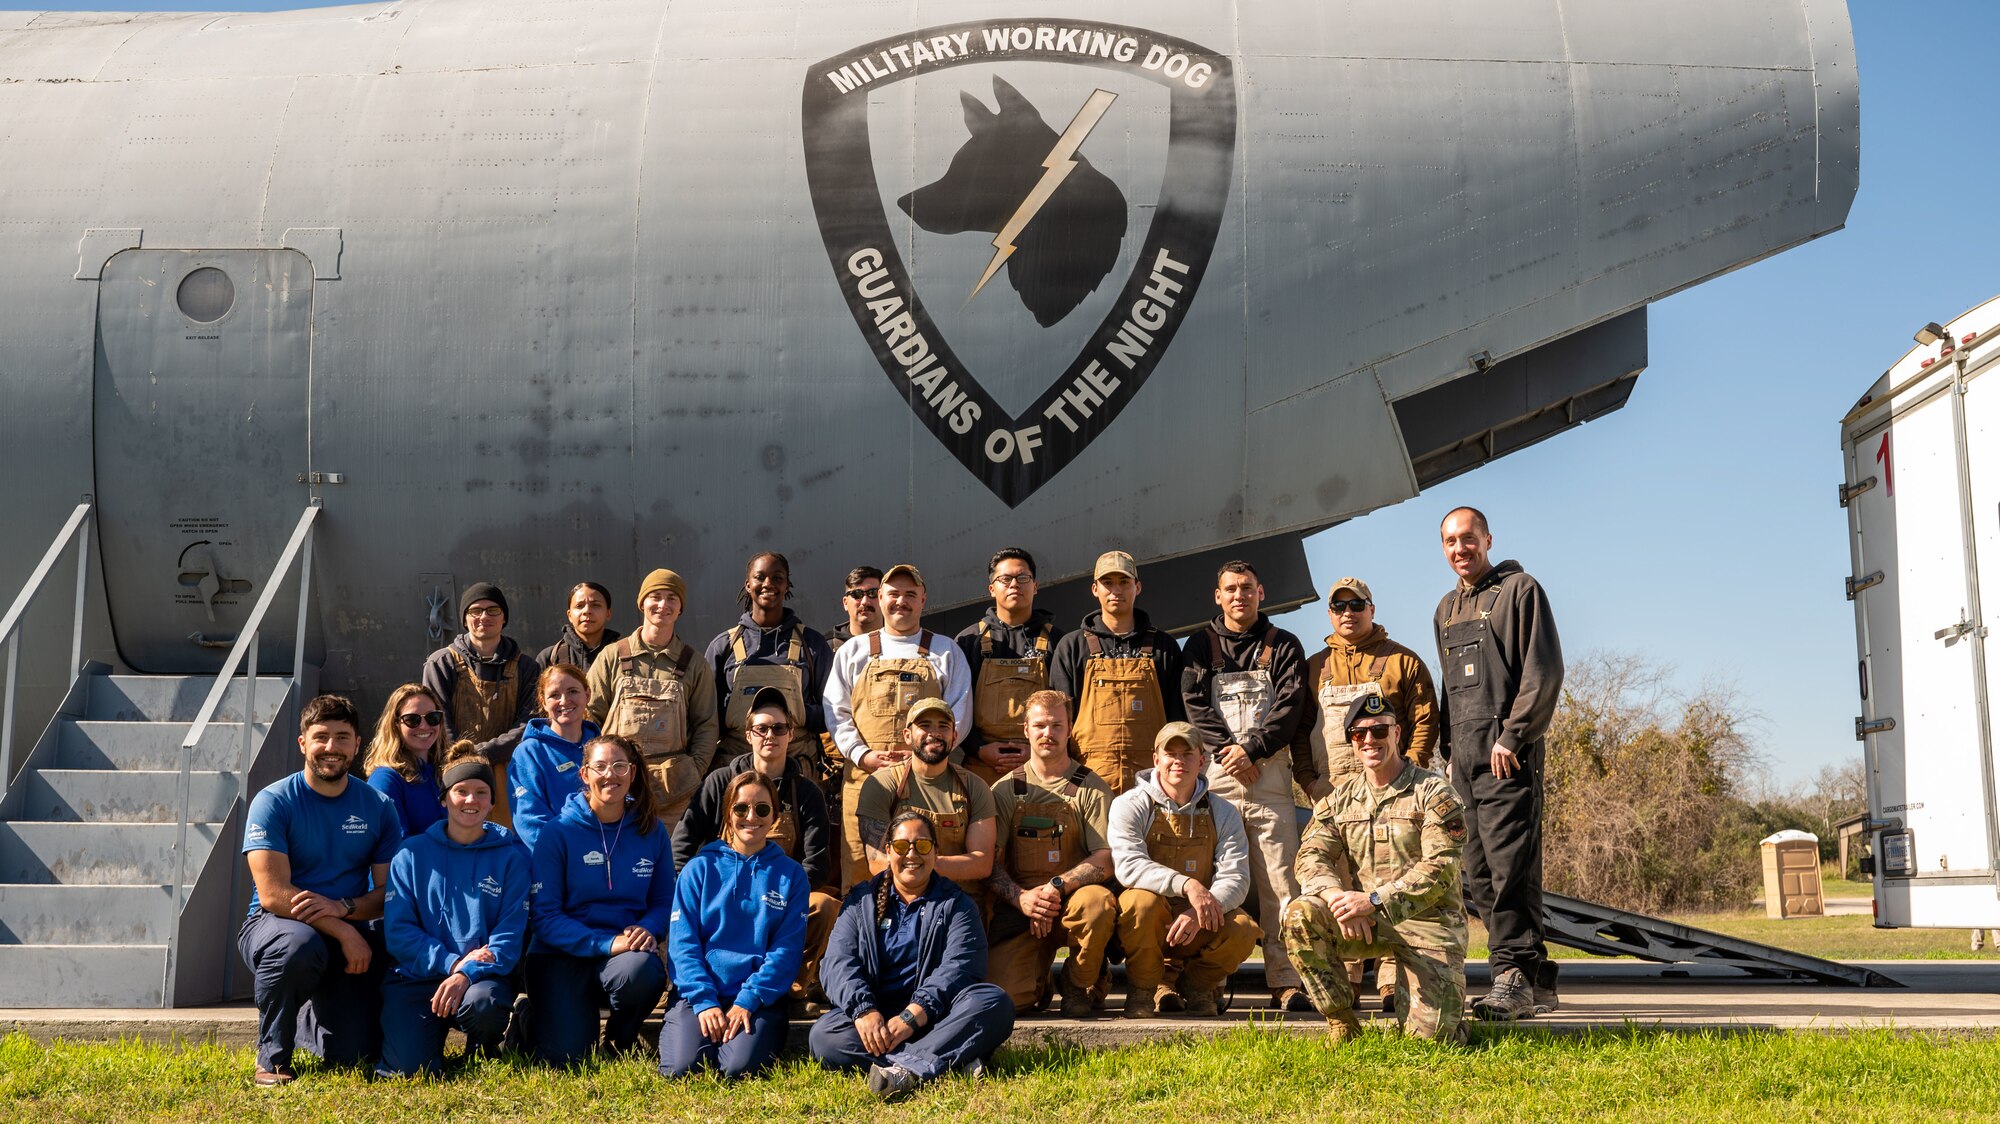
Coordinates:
x,y
1000,697
1047,839
1119,712
746,679
483,711
882,696
1184,843
652,711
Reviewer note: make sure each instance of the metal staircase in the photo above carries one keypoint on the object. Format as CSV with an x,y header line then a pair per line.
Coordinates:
x,y
120,879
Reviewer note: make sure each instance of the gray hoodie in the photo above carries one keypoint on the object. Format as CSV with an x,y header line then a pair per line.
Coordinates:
x,y
1132,816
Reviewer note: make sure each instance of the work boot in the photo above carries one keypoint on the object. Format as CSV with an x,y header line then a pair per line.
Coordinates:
x,y
1167,1000
1140,1006
1511,997
516,1039
891,1082
1290,999
1342,1026
1389,1001
1204,1005
1546,999
1075,1001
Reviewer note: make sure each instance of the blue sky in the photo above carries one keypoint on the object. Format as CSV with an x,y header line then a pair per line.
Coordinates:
x,y
1698,525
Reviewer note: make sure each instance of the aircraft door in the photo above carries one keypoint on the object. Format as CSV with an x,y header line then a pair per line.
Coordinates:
x,y
202,382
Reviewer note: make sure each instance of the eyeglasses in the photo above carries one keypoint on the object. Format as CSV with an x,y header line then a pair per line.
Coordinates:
x,y
1013,579
759,810
1353,606
902,847
488,611
1375,733
769,730
610,768
412,721
861,595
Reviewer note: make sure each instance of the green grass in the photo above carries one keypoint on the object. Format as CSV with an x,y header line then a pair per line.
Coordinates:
x,y
1244,1075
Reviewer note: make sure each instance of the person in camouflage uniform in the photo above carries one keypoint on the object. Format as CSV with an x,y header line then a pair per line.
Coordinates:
x,y
1379,867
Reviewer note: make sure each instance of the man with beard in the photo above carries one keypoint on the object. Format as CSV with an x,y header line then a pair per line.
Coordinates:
x,y
769,647
958,805
318,845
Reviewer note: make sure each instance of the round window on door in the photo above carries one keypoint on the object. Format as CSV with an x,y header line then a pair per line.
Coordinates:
x,y
206,295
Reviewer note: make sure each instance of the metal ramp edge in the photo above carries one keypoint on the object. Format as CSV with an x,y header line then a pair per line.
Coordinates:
x,y
1605,931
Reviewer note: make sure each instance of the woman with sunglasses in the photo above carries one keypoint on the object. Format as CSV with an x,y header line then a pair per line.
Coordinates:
x,y
406,754
604,877
738,935
903,973
548,764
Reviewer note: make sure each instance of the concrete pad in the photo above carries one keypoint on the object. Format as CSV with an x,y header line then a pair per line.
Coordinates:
x,y
1941,995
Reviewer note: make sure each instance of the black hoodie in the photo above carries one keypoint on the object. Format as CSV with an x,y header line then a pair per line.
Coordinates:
x,y
1289,699
1525,668
1066,670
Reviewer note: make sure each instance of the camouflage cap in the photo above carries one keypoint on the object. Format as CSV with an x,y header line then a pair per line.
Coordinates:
x,y
1115,562
925,706
1366,706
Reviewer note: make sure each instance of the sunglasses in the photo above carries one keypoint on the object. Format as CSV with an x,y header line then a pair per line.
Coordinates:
x,y
861,595
1353,606
769,730
1376,733
610,768
903,847
412,721
759,810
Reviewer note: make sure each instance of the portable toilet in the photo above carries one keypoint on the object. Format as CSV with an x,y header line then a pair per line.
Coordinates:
x,y
1791,875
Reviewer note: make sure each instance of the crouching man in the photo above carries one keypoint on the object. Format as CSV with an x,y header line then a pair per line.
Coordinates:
x,y
1379,866
1184,860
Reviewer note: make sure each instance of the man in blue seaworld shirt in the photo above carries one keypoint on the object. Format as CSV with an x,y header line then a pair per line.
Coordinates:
x,y
318,845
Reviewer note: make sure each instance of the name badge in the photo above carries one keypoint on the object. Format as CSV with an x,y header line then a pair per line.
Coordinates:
x,y
1381,833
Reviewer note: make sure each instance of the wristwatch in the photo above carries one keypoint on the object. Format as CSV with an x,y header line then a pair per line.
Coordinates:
x,y
1057,882
909,1020
1375,898
348,905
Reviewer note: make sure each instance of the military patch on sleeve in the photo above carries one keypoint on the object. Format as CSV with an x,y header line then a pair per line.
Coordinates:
x,y
1449,814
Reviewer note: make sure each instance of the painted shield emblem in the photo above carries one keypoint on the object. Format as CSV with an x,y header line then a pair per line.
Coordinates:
x,y
1048,224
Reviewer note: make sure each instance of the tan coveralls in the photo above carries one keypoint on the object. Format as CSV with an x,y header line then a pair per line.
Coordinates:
x,y
1040,832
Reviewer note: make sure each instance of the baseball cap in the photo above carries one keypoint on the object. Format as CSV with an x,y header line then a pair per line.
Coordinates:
x,y
1115,562
905,570
1355,584
1179,731
924,706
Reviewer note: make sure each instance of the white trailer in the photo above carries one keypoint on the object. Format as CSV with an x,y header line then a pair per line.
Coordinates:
x,y
1923,512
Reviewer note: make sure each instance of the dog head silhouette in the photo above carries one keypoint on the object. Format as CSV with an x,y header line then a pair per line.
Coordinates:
x,y
1066,249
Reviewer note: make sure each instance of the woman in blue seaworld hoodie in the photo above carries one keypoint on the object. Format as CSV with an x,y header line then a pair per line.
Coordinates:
x,y
406,755
739,932
454,916
903,973
604,888
547,768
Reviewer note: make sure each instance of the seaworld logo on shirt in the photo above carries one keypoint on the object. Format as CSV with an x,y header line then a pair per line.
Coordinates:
x,y
354,825
774,899
643,868
490,886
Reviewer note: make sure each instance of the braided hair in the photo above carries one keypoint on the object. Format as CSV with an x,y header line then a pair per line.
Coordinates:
x,y
883,890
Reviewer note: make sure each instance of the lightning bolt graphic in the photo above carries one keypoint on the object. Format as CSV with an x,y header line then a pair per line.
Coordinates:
x,y
1058,164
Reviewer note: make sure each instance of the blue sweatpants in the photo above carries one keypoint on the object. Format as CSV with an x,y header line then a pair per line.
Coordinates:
x,y
683,1049
303,991
568,990
413,1036
979,1020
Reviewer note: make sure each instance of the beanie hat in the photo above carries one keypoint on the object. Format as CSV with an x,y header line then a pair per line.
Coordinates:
x,y
482,591
663,579
466,769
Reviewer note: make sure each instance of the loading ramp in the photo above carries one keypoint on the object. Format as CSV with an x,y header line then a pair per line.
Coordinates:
x,y
1604,931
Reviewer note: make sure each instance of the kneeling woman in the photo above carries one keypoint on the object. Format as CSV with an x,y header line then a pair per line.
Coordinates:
x,y
903,974
604,876
738,935
455,916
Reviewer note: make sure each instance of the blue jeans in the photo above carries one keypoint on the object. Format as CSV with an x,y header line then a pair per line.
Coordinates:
x,y
979,1019
302,989
568,990
683,1049
413,1036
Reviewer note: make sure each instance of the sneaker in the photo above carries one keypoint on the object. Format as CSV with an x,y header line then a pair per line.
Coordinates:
x,y
891,1082
1546,999
974,1070
1203,1005
1139,1006
1342,1027
272,1078
1511,997
1389,1002
1167,1000
515,1040
1290,999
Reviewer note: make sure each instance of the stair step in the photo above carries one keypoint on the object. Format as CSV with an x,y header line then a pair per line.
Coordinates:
x,y
96,744
176,698
105,975
125,796
85,915
95,854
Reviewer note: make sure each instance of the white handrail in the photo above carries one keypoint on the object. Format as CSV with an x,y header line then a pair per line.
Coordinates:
x,y
78,527
297,548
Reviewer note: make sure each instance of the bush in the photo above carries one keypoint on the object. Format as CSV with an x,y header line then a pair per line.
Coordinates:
x,y
1644,793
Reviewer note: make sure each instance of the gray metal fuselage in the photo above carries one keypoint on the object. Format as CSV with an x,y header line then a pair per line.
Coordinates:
x,y
573,291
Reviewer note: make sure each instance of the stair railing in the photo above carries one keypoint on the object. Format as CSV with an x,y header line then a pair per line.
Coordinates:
x,y
243,653
78,528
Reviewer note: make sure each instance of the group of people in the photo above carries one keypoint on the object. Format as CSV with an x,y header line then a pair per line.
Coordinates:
x,y
905,832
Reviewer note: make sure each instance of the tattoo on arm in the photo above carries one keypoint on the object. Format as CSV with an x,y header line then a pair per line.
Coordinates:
x,y
1085,873
874,834
1003,885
